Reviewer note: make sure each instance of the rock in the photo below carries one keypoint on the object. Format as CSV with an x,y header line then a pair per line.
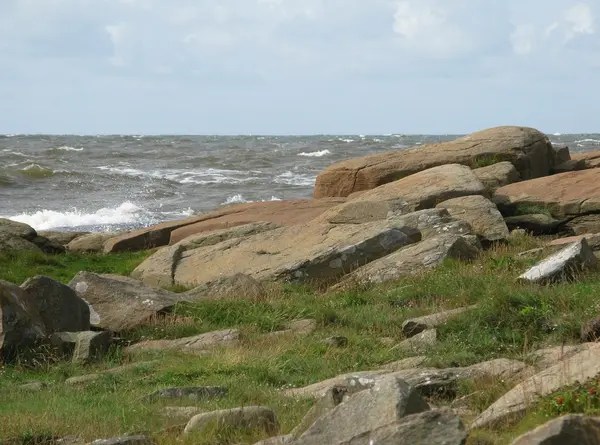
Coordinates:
x,y
411,260
90,378
249,417
59,306
591,159
415,326
547,357
362,212
570,166
561,154
81,347
118,303
16,236
336,341
197,344
356,381
284,213
34,386
481,214
238,286
388,401
48,246
503,369
305,326
590,331
124,440
527,149
315,253
562,265
158,269
584,224
573,429
420,342
212,237
435,427
427,188
593,240
579,367
497,175
20,324
62,238
536,224
192,392
566,194
92,242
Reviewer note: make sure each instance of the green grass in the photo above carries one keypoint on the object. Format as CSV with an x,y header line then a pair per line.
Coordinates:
x,y
511,320
532,209
485,161
16,267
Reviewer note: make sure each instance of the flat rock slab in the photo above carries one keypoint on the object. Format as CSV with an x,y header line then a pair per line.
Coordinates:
x,y
591,159
562,265
197,344
536,223
191,392
527,149
124,440
412,260
415,326
424,190
573,429
92,242
482,214
315,253
118,303
593,240
565,194
579,367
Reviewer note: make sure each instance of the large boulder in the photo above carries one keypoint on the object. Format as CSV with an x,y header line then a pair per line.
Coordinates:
x,y
497,175
248,417
527,149
278,212
566,194
591,159
414,259
481,213
81,347
573,429
536,223
59,306
18,236
317,253
387,402
20,323
91,242
61,238
118,303
427,188
511,406
562,265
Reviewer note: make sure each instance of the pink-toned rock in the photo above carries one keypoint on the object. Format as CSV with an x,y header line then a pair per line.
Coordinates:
x,y
591,159
527,149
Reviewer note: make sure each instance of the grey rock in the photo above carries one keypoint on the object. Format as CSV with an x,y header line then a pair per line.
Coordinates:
x,y
562,154
573,429
238,286
61,238
34,386
59,306
570,166
197,344
420,342
415,326
563,264
124,440
583,224
249,417
91,242
497,175
192,393
278,440
536,224
389,400
337,341
81,347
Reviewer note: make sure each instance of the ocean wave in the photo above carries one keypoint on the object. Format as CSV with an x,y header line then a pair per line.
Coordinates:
x,y
67,148
289,178
126,213
347,141
584,142
36,171
315,154
239,199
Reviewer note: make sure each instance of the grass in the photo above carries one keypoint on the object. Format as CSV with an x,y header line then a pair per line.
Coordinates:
x,y
511,321
532,209
16,267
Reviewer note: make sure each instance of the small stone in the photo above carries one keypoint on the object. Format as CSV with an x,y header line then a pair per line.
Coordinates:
x,y
337,341
249,417
34,386
124,440
415,326
420,342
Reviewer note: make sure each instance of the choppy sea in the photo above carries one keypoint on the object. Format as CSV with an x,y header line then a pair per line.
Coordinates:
x,y
104,183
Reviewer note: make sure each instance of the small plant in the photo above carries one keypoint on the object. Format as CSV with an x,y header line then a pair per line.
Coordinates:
x,y
579,398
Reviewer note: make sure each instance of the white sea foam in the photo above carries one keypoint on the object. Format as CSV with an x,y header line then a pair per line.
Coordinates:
x,y
67,148
584,142
345,140
315,154
557,134
239,199
290,178
198,177
126,213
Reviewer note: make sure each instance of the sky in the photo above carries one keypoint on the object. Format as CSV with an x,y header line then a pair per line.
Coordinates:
x,y
298,66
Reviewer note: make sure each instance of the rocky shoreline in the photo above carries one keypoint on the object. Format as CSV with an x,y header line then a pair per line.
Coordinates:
x,y
373,220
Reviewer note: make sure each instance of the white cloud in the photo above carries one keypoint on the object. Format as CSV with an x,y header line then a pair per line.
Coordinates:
x,y
522,39
580,20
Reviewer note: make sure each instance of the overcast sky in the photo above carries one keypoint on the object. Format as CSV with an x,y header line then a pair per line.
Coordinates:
x,y
298,66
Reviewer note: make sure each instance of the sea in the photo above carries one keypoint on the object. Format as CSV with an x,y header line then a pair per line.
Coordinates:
x,y
121,182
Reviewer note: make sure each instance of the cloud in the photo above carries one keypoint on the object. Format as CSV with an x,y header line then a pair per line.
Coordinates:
x,y
287,65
